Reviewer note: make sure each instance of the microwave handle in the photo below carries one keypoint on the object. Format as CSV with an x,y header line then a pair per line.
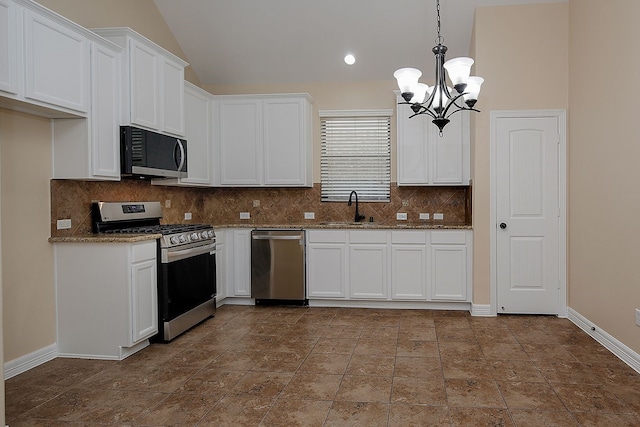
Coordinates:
x,y
182,156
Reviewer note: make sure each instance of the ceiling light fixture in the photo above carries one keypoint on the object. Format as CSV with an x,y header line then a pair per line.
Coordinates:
x,y
441,101
350,59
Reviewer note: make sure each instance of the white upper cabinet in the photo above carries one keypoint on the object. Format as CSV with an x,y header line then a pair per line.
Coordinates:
x,y
8,48
425,157
44,61
89,148
198,106
239,129
264,140
153,83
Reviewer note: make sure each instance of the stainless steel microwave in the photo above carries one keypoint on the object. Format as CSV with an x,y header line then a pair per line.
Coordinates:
x,y
146,154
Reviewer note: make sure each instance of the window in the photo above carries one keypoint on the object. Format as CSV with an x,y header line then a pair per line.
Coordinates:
x,y
355,155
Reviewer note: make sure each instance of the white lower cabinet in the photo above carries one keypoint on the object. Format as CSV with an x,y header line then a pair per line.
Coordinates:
x,y
390,265
326,263
368,264
107,301
221,266
450,265
409,265
238,257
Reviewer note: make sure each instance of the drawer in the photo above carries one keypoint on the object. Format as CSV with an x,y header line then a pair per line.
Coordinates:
x,y
327,236
143,251
449,237
410,237
368,236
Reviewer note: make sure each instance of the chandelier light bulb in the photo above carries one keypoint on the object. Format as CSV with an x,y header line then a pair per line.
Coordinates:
x,y
458,70
472,90
419,93
407,81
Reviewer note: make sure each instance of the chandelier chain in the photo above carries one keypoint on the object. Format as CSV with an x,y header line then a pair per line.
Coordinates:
x,y
439,39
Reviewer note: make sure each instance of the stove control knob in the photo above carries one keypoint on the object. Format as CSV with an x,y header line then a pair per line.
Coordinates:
x,y
204,235
183,238
210,233
174,240
195,236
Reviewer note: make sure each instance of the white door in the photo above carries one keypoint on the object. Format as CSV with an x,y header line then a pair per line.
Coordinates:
x,y
527,214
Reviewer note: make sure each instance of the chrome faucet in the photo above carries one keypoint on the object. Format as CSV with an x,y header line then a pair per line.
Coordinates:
x,y
358,217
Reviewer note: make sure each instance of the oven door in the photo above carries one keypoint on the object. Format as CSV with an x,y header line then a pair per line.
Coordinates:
x,y
187,279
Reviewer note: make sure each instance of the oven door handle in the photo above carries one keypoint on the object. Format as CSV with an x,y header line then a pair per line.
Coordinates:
x,y
171,256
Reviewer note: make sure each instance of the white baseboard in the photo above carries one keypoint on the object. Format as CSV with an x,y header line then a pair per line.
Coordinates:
x,y
481,310
625,354
24,363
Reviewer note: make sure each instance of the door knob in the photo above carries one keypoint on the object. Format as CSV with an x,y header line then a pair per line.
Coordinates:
x,y
503,225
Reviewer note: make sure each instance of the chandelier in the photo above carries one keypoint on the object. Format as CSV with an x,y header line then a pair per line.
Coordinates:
x,y
441,101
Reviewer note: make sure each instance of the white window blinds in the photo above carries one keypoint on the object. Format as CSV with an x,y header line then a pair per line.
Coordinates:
x,y
355,155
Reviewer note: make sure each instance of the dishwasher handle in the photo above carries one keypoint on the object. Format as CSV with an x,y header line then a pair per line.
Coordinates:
x,y
267,237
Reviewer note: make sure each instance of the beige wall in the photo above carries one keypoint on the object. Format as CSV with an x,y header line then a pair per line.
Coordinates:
x,y
522,52
604,231
330,96
27,258
140,15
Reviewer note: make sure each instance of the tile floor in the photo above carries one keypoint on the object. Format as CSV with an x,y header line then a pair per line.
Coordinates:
x,y
276,366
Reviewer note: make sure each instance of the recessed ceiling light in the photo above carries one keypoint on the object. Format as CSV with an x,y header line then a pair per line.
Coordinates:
x,y
350,59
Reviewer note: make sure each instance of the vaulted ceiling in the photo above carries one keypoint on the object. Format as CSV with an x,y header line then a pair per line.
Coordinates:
x,y
289,41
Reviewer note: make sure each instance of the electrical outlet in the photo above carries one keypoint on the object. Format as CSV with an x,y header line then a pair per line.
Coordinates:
x,y
638,316
187,215
309,215
167,203
438,216
424,215
256,203
63,224
401,216
405,203
245,215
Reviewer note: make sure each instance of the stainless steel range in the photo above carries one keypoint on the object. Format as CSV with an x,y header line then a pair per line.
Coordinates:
x,y
186,267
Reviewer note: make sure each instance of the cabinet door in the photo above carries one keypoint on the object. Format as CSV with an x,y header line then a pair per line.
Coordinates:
x,y
413,147
240,142
447,151
144,300
326,270
57,64
449,272
145,80
368,271
285,142
105,114
242,262
221,269
8,48
409,272
172,92
198,134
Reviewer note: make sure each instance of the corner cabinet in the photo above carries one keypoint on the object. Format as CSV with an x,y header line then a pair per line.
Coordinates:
x,y
264,140
44,61
107,300
153,83
425,157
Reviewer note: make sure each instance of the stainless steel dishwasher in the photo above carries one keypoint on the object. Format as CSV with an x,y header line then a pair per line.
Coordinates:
x,y
278,267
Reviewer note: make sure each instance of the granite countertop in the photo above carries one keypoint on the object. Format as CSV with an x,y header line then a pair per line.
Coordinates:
x,y
353,226
132,238
104,238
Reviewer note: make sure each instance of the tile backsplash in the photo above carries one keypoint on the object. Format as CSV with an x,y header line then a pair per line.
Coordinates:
x,y
266,206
